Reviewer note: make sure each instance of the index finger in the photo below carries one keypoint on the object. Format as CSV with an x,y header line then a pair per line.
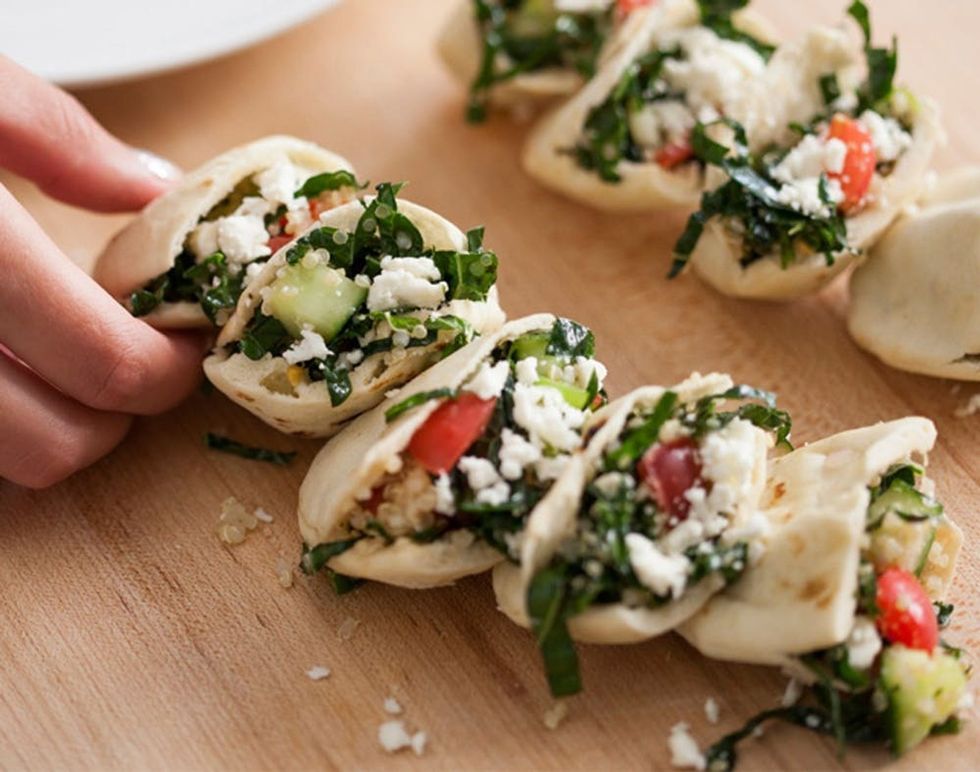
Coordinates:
x,y
67,329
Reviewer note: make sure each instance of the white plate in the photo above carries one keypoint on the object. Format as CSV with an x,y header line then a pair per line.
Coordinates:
x,y
89,42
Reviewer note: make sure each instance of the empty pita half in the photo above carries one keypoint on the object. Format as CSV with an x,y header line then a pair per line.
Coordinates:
x,y
351,464
262,386
800,596
554,521
915,303
148,246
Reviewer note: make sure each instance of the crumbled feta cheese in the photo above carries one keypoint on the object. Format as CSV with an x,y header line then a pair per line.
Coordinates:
x,y
253,206
483,478
551,467
713,72
405,282
580,372
392,706
711,710
242,239
488,382
684,750
354,357
251,271
515,454
445,501
262,515
547,418
890,140
610,483
278,182
527,370
310,346
804,196
729,458
811,157
419,741
663,574
347,628
794,690
203,240
660,122
318,673
863,644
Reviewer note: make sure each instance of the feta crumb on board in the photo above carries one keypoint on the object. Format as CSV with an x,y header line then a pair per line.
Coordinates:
x,y
554,715
262,515
794,690
318,673
684,750
394,737
711,710
970,407
392,706
347,628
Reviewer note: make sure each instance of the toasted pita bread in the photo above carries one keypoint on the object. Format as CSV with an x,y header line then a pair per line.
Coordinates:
x,y
801,594
643,186
149,244
554,520
785,92
915,303
261,386
353,462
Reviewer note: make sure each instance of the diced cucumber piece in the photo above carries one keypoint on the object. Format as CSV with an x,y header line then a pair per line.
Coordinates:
x,y
318,295
904,500
534,18
531,344
923,691
902,543
575,396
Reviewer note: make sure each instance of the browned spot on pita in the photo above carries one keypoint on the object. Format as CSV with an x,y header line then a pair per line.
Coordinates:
x,y
796,544
813,589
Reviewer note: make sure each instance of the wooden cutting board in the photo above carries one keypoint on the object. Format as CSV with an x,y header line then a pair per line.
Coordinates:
x,y
132,638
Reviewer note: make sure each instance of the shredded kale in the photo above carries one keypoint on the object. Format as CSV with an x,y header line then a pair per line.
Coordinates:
x,y
315,558
524,36
546,606
227,445
944,612
417,399
716,15
320,183
897,492
748,199
882,63
264,334
570,339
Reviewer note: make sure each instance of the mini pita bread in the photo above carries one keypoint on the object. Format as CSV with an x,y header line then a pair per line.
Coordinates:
x,y
352,463
801,594
643,186
554,520
915,303
149,244
305,409
790,75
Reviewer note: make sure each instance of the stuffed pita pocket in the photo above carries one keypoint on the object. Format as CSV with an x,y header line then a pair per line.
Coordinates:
x,y
624,141
815,178
855,552
186,258
377,291
646,523
914,303
519,54
435,484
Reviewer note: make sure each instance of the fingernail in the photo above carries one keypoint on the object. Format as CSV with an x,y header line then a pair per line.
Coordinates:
x,y
159,167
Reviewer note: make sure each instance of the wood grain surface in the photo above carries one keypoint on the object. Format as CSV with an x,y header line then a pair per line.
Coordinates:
x,y
131,638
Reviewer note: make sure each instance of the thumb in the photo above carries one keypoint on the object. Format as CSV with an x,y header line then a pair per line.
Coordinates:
x,y
48,137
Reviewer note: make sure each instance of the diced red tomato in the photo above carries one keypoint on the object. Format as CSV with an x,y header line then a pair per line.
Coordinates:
x,y
625,7
314,206
455,425
673,154
669,470
377,496
278,242
905,613
859,163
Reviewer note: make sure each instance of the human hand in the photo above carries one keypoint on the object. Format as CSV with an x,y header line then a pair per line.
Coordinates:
x,y
74,365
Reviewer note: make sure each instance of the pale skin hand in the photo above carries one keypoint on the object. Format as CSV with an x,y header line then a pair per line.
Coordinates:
x,y
75,366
